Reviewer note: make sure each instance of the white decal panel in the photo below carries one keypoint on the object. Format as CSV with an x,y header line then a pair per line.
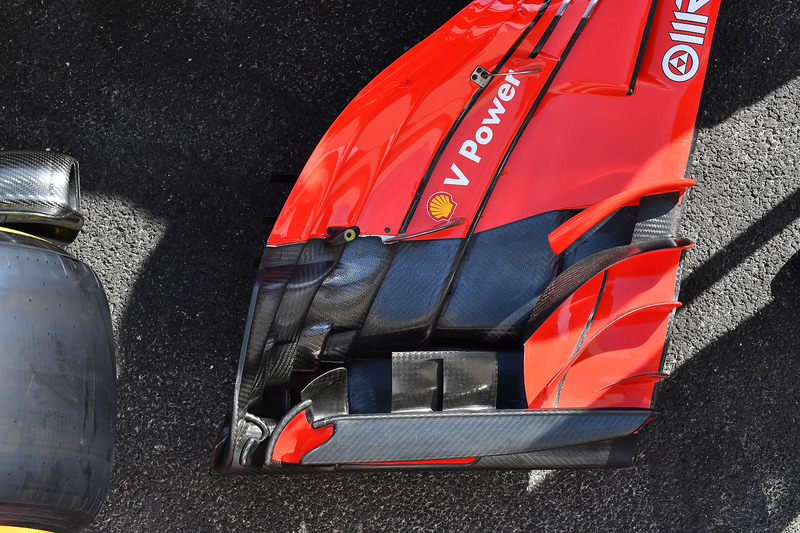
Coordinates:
x,y
682,61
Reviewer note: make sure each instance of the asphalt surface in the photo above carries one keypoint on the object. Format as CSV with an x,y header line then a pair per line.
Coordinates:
x,y
178,111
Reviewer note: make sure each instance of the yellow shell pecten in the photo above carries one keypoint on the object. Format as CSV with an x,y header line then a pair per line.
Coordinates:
x,y
441,206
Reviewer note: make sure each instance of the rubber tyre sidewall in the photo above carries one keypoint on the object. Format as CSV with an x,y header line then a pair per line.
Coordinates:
x,y
57,388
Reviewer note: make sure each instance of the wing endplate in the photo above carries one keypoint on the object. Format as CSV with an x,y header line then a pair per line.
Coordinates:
x,y
612,327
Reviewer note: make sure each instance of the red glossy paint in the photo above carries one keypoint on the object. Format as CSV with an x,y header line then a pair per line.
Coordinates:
x,y
298,438
631,346
588,140
471,157
571,230
464,461
561,331
367,168
568,364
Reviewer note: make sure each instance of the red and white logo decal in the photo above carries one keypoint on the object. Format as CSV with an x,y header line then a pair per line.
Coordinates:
x,y
682,61
485,132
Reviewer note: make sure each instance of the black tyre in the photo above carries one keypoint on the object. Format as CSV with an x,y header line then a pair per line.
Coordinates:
x,y
57,387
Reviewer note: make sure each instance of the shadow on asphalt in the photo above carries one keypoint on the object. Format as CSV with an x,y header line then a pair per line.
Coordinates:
x,y
708,463
755,52
707,456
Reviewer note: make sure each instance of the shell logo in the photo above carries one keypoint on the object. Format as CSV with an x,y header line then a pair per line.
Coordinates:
x,y
441,206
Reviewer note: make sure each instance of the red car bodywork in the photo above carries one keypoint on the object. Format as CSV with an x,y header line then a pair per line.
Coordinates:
x,y
590,141
511,110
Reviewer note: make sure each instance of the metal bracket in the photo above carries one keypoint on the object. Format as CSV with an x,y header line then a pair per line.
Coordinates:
x,y
481,76
250,433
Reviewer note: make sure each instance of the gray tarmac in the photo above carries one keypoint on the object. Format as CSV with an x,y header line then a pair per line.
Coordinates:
x,y
178,111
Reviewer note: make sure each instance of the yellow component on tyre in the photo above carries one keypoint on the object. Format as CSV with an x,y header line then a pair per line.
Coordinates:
x,y
11,529
17,232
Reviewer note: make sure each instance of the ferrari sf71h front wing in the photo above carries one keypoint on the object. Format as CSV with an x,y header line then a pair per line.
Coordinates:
x,y
478,265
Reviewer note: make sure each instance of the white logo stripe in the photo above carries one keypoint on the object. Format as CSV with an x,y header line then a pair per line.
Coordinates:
x,y
682,38
690,28
691,17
